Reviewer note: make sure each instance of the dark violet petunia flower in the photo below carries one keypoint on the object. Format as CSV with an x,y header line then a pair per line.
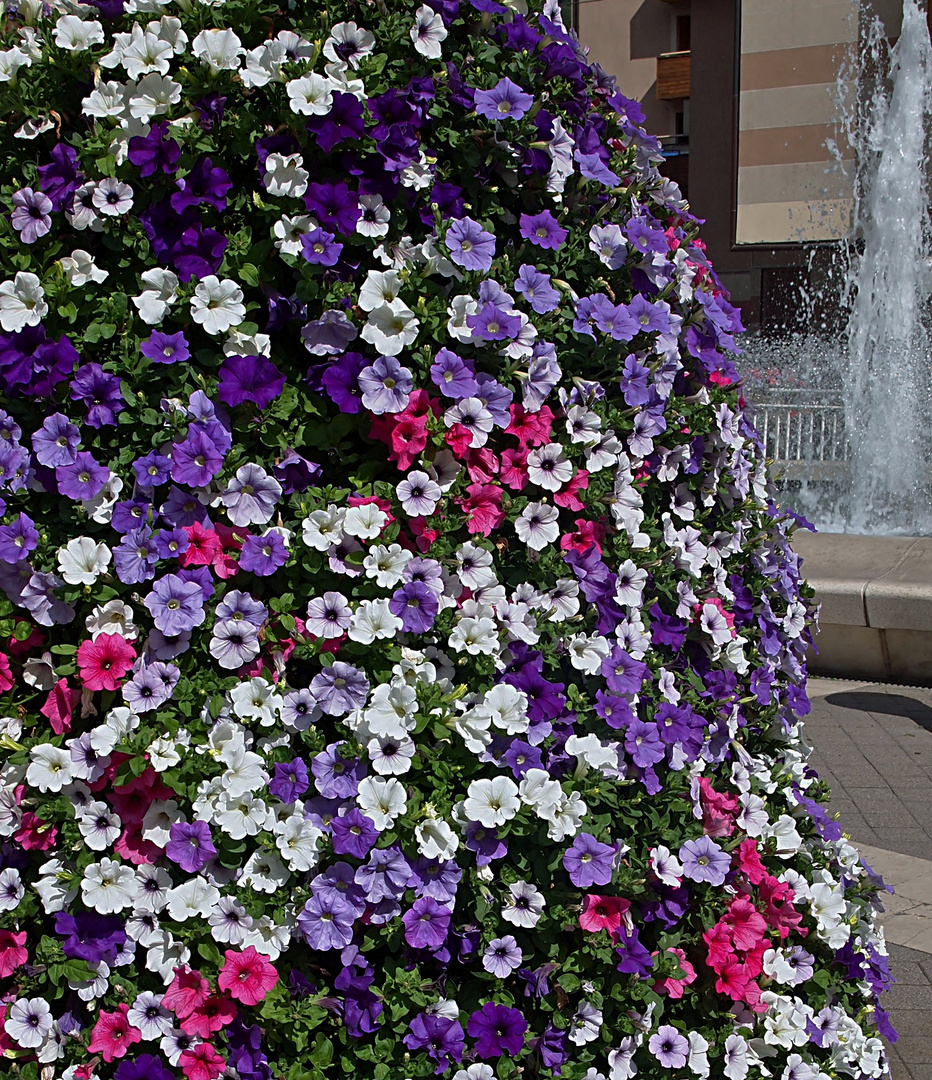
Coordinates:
x,y
543,230
441,1036
210,110
90,936
166,348
635,959
470,246
497,1030
196,460
203,184
145,1067
176,605
290,780
263,555
132,514
249,378
18,539
60,179
154,151
182,509
198,252
344,121
56,442
100,392
334,205
320,248
588,862
353,834
426,924
295,473
189,845
83,479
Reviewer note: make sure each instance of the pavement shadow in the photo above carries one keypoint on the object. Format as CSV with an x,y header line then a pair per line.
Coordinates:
x,y
889,704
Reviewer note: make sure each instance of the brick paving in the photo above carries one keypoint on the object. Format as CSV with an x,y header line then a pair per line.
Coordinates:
x,y
873,745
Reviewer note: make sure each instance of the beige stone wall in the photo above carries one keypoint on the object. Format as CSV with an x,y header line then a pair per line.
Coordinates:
x,y
791,188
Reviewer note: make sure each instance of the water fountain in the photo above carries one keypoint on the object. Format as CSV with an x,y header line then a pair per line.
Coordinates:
x,y
880,366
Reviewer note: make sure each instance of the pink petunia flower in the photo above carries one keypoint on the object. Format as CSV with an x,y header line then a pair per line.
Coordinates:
x,y
215,1013
604,913
12,953
113,1034
34,834
103,662
60,705
187,991
247,976
201,1062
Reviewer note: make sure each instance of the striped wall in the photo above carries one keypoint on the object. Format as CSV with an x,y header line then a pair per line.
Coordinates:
x,y
788,190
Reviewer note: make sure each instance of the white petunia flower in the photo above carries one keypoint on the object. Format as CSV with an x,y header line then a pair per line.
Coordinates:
x,y
492,802
82,560
149,1015
476,636
22,302
255,699
386,564
372,620
229,922
587,653
12,889
194,899
380,287
28,1021
391,755
506,707
220,50
375,216
548,467
50,767
435,839
114,617
99,825
76,35
365,522
285,175
289,230
523,905
297,842
146,52
80,268
153,95
108,886
428,32
264,871
538,525
158,820
419,494
217,305
323,528
311,95
382,800
11,60
391,327
160,292
348,44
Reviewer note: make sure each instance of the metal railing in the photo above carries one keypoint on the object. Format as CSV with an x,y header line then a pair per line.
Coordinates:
x,y
802,425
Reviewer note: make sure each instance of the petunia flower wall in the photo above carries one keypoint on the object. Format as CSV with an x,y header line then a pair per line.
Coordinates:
x,y
402,653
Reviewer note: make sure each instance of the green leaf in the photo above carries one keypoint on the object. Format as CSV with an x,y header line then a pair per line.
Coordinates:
x,y
208,951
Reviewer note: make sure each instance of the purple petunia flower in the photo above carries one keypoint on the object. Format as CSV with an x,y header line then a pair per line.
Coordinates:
x,y
594,168
537,290
334,205
441,1036
416,605
196,460
150,687
295,473
166,348
470,246
249,378
90,936
263,555
189,845
497,1030
320,247
505,101
31,214
436,879
335,776
643,743
176,605
56,442
588,862
100,392
384,876
60,179
353,834
485,842
622,672
149,1067
83,479
493,324
18,539
704,860
344,121
543,230
152,470
502,956
426,924
129,514
240,606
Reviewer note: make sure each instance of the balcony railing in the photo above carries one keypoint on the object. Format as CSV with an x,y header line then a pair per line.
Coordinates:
x,y
673,76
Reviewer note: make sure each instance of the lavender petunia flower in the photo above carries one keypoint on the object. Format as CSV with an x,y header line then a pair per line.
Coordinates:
x,y
502,956
196,460
470,246
327,922
588,862
83,479
426,924
329,334
320,247
704,860
166,348
669,1047
263,555
385,875
176,605
543,231
18,539
335,776
385,386
454,376
135,556
31,214
416,605
536,289
353,834
152,470
237,605
150,687
251,496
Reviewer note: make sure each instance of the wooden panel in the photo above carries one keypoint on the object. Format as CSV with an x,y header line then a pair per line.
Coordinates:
x,y
673,76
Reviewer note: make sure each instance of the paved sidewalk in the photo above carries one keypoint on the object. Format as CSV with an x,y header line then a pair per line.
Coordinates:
x,y
872,743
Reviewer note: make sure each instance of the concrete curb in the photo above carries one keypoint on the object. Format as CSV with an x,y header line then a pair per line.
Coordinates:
x,y
876,595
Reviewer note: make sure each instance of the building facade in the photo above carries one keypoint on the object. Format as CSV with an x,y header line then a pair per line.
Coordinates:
x,y
747,96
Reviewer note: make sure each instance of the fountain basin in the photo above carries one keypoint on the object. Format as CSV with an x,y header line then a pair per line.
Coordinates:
x,y
876,596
